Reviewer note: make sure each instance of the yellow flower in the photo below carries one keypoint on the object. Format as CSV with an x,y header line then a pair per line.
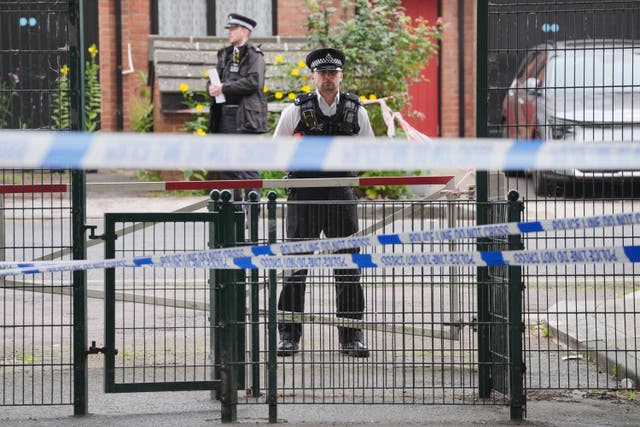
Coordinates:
x,y
364,98
199,107
279,58
305,78
265,89
302,64
291,96
64,70
295,72
201,132
373,97
279,95
184,87
206,73
306,88
93,50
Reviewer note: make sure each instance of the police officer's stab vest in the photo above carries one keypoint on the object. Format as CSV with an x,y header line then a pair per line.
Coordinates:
x,y
313,122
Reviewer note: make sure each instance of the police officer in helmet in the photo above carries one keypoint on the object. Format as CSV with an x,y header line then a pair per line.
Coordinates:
x,y
326,111
241,68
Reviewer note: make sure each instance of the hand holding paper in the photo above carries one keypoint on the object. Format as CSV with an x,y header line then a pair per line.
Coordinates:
x,y
214,78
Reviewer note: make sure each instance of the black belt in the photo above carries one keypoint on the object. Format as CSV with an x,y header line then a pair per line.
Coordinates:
x,y
227,106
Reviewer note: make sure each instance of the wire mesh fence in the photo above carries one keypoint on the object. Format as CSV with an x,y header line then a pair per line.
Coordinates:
x,y
35,63
570,71
418,324
413,322
36,359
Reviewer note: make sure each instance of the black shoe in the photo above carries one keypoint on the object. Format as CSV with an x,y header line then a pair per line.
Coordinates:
x,y
288,348
354,348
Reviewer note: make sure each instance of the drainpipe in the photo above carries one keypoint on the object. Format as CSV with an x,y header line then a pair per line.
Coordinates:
x,y
119,90
461,122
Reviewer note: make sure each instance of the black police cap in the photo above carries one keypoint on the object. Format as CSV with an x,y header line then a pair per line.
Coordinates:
x,y
325,59
235,19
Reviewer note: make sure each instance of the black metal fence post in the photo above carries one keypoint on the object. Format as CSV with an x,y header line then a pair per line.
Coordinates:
x,y
272,397
482,197
516,325
227,342
214,278
229,305
76,86
254,210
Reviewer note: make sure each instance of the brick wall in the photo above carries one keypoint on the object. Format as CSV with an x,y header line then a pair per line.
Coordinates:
x,y
450,72
136,26
107,57
292,16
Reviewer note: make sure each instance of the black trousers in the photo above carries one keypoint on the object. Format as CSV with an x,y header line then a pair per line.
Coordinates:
x,y
307,221
229,124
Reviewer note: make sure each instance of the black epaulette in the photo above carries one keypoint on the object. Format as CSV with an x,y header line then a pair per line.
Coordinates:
x,y
306,97
256,48
352,97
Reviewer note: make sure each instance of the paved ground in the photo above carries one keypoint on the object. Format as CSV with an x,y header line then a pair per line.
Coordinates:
x,y
196,409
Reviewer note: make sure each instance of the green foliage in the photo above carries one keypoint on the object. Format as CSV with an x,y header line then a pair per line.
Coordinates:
x,y
60,103
281,192
7,92
289,79
198,103
385,49
148,175
142,108
92,92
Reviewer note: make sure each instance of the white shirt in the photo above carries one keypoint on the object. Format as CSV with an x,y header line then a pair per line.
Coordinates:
x,y
290,117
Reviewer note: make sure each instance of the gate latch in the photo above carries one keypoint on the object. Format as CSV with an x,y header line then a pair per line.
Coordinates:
x,y
92,232
95,350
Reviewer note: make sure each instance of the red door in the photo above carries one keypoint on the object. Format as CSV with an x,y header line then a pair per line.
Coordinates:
x,y
425,96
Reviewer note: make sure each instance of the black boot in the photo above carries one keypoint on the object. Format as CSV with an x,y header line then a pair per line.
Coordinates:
x,y
352,342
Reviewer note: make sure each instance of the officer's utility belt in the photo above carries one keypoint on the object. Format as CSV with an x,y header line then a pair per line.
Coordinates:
x,y
230,106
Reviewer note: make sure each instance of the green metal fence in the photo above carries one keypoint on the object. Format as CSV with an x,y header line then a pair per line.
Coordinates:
x,y
419,324
44,340
550,70
37,339
185,329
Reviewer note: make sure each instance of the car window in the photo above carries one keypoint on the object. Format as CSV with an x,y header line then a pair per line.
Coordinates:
x,y
617,69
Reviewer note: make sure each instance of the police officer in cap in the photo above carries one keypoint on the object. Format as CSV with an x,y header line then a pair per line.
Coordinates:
x,y
241,68
326,111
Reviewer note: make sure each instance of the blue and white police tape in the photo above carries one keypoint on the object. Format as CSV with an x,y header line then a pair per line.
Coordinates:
x,y
77,150
617,254
222,255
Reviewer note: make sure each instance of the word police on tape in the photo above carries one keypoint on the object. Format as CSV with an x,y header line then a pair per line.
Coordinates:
x,y
276,256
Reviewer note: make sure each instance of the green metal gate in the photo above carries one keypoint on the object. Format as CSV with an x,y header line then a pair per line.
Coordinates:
x,y
157,330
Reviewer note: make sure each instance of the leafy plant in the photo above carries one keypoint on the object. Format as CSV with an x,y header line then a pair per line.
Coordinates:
x,y
60,102
60,105
385,49
142,107
281,192
92,92
198,104
7,92
289,79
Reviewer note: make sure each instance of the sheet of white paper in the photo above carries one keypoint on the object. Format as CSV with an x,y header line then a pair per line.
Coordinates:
x,y
215,78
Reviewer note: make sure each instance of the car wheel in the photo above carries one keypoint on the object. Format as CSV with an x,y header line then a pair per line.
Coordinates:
x,y
545,186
